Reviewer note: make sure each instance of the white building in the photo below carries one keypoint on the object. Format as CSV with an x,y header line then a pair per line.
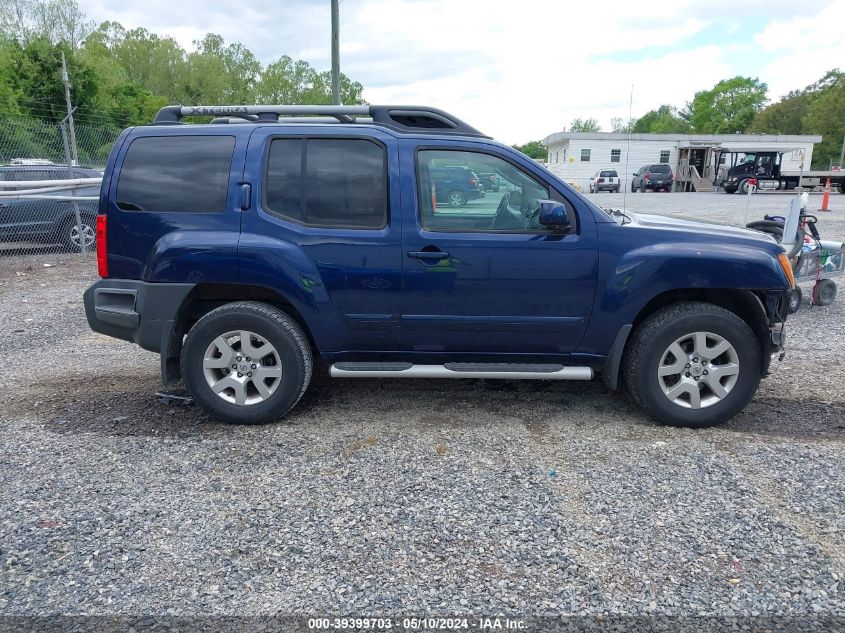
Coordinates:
x,y
576,156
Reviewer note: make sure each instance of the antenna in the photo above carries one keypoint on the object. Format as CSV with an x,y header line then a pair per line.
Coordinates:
x,y
628,149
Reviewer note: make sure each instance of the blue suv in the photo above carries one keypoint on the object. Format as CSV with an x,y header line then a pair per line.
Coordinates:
x,y
244,249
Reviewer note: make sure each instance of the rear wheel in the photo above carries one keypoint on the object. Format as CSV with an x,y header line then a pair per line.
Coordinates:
x,y
457,198
79,236
246,363
824,292
743,186
693,364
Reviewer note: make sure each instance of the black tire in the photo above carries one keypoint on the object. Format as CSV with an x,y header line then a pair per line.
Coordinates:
x,y
652,338
742,187
633,188
616,190
824,292
456,198
70,232
278,329
775,229
643,187
795,299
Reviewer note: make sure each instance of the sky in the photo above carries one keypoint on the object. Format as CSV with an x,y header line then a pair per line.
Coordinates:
x,y
523,69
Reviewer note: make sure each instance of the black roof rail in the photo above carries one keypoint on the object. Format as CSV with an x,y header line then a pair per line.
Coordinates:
x,y
400,118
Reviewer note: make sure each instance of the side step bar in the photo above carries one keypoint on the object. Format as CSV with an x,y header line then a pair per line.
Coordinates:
x,y
507,371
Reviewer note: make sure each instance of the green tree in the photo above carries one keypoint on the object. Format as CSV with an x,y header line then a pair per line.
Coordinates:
x,y
40,80
622,126
826,116
584,125
288,81
665,120
728,107
533,149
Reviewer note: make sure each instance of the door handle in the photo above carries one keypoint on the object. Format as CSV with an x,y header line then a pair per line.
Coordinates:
x,y
428,254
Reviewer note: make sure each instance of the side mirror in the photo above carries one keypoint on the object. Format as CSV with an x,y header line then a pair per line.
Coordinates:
x,y
553,214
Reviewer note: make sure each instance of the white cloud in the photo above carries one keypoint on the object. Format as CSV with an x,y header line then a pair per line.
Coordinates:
x,y
520,71
801,49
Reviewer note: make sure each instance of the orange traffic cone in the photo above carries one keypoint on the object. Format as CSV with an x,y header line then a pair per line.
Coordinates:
x,y
826,197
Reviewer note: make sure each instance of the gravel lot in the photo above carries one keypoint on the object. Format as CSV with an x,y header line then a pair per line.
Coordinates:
x,y
400,497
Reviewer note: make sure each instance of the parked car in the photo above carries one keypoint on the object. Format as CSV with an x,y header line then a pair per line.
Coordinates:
x,y
604,180
48,221
656,176
244,253
456,186
490,182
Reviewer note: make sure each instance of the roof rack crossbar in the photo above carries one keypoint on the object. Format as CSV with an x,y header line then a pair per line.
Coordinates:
x,y
402,118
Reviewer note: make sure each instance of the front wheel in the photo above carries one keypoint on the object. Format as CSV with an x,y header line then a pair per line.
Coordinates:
x,y
795,298
693,364
246,363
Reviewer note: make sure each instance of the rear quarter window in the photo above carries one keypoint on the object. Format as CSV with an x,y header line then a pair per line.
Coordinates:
x,y
326,182
187,174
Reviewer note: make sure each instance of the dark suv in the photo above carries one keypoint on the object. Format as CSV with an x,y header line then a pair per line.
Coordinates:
x,y
244,253
48,221
657,177
456,185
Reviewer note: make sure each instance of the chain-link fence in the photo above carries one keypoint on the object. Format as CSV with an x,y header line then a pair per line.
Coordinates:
x,y
48,199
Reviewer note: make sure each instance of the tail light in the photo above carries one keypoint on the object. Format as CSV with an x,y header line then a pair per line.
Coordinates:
x,y
646,176
600,180
102,256
473,182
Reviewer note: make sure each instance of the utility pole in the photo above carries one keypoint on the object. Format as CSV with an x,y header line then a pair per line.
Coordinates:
x,y
842,155
335,52
70,109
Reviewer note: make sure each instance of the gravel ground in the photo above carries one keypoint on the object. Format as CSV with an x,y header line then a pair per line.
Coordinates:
x,y
389,497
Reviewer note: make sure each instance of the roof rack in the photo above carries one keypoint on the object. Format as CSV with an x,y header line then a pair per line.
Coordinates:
x,y
401,118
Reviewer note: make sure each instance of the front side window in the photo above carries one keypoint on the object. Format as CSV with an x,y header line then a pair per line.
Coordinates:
x,y
176,174
585,156
337,183
452,199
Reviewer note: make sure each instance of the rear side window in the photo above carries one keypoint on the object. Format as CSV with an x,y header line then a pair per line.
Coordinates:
x,y
176,174
339,183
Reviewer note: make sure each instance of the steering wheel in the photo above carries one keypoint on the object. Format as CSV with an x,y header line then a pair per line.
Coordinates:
x,y
503,214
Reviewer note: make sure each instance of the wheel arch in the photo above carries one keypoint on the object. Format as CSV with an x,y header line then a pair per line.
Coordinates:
x,y
746,304
204,298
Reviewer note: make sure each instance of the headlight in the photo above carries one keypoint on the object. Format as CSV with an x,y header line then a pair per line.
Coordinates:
x,y
787,269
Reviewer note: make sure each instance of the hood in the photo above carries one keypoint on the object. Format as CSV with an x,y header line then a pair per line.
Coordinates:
x,y
704,229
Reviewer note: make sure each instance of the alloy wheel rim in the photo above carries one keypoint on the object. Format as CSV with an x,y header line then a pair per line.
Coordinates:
x,y
455,199
698,370
242,367
87,235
